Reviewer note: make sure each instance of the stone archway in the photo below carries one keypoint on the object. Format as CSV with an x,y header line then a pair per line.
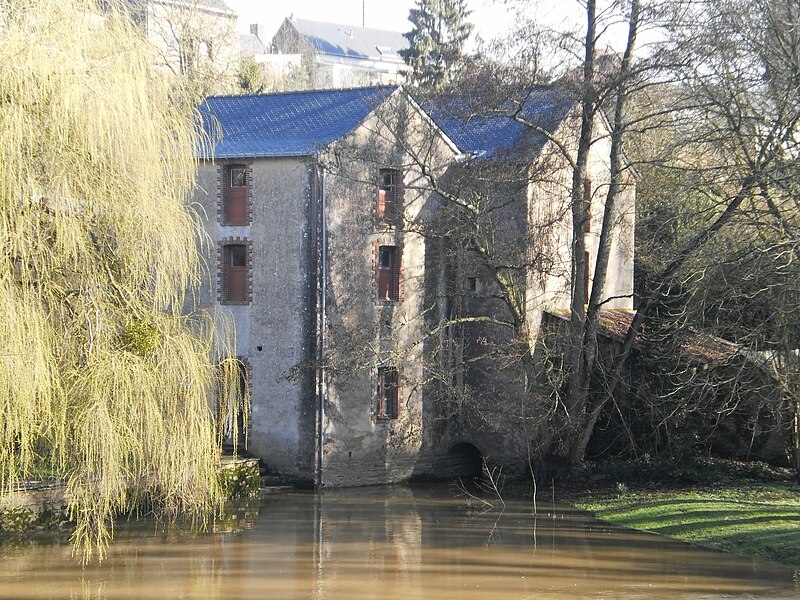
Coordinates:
x,y
463,459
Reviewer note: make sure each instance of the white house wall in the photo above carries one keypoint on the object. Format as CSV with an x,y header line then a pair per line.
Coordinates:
x,y
170,25
551,220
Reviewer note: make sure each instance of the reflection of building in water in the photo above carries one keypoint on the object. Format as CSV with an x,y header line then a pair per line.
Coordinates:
x,y
375,535
393,543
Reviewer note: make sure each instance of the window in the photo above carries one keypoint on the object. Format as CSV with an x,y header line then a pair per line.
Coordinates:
x,y
586,288
235,274
471,284
207,49
386,406
388,273
187,54
236,184
388,196
587,205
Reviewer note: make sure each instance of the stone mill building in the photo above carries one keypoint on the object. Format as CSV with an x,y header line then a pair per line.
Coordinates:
x,y
319,205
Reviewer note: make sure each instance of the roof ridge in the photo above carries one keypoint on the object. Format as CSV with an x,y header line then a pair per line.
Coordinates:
x,y
344,25
309,92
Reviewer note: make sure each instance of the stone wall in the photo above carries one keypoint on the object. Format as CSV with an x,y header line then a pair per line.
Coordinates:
x,y
275,331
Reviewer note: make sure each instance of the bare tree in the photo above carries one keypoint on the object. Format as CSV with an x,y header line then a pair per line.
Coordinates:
x,y
738,70
194,39
732,114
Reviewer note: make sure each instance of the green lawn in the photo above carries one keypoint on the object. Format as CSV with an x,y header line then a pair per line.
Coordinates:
x,y
756,519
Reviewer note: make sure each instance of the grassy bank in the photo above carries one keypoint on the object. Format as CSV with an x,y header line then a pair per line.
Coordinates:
x,y
747,517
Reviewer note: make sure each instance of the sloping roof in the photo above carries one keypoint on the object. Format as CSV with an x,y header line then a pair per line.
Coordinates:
x,y
350,41
493,132
699,346
212,4
286,124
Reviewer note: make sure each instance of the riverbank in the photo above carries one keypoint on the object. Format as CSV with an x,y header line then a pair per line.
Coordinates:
x,y
40,506
743,515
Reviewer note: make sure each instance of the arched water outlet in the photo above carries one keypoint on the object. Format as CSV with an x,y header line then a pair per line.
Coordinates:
x,y
464,460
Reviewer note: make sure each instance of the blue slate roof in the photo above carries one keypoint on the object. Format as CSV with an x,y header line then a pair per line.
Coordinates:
x,y
494,133
285,124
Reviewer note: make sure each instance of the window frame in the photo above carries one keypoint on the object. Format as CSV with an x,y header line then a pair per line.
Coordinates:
x,y
387,273
235,277
235,200
388,197
387,400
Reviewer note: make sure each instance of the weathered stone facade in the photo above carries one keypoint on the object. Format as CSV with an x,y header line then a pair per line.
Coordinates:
x,y
275,330
314,330
346,269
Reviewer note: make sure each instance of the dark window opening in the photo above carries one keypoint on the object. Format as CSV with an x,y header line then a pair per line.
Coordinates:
x,y
235,273
236,191
471,284
587,205
388,273
388,196
238,177
187,50
387,393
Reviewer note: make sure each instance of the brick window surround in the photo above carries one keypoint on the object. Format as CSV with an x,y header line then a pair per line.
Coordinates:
x,y
387,396
235,194
235,271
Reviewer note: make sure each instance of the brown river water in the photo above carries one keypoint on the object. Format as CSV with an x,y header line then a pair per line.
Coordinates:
x,y
394,542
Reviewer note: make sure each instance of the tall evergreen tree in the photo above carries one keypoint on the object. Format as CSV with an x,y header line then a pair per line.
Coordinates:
x,y
436,40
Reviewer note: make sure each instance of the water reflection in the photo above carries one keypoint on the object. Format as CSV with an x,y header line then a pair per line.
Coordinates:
x,y
394,543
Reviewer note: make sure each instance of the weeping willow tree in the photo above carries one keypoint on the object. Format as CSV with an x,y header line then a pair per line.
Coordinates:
x,y
103,380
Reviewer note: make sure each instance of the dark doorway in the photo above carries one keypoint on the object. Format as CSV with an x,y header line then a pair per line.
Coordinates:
x,y
230,410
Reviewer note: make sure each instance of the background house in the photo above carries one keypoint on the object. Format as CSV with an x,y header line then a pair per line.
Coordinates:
x,y
278,72
196,38
337,56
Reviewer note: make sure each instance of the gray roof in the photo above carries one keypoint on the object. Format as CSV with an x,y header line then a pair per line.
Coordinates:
x,y
351,41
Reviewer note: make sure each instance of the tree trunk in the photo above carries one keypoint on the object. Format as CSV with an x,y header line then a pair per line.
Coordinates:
x,y
574,356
